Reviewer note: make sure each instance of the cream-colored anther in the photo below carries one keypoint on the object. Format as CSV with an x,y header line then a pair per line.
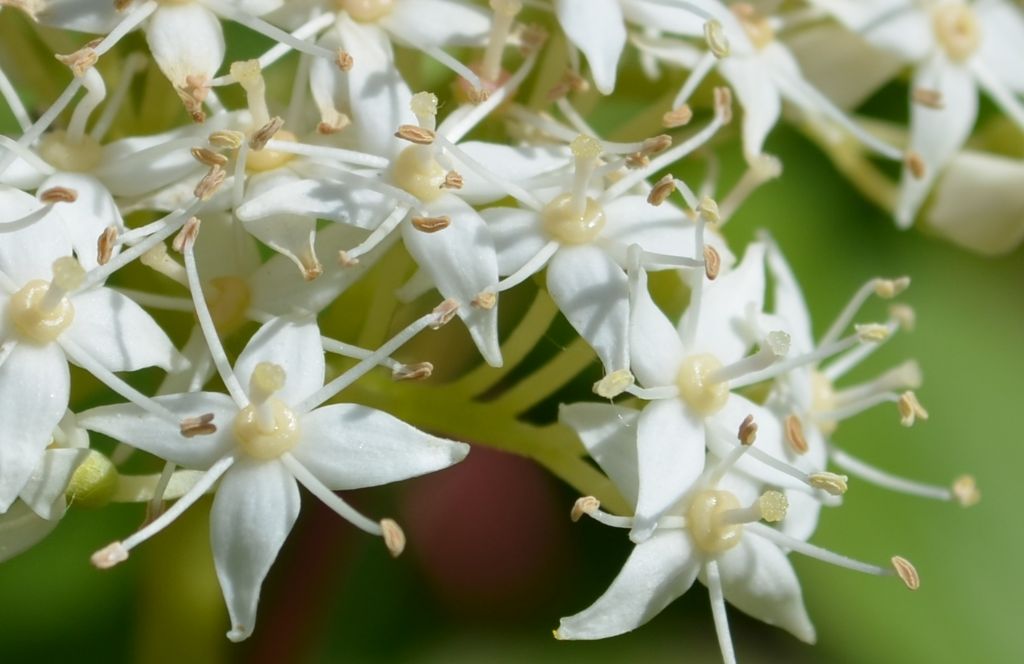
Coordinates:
x,y
417,171
68,273
965,490
261,441
261,161
416,134
795,434
773,506
747,434
708,208
70,155
445,312
583,506
677,117
904,316
366,11
710,532
957,30
696,388
108,556
907,572
561,224
264,133
80,61
453,180
586,147
424,107
890,288
614,384
823,400
394,537
723,104
267,378
344,60
872,332
831,483
486,300
249,75
417,371
758,28
186,237
227,138
911,409
714,36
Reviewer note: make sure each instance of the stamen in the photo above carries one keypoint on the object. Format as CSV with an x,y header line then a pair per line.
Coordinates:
x,y
677,117
201,425
831,483
158,260
718,611
329,498
264,133
614,384
415,134
394,537
505,12
227,138
210,184
812,551
417,371
966,491
774,347
748,431
424,107
584,506
928,98
58,195
80,61
662,189
911,409
881,478
795,434
907,572
885,288
915,164
431,224
350,258
714,37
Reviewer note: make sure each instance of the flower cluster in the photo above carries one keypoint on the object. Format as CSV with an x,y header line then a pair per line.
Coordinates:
x,y
374,134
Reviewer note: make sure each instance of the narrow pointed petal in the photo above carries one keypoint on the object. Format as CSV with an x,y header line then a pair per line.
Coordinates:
x,y
34,388
44,493
595,27
670,452
438,22
801,516
130,424
94,16
759,97
1002,29
664,228
655,350
292,344
790,305
292,235
85,219
516,164
517,236
758,579
657,572
186,41
336,201
609,434
118,333
253,511
666,18
347,446
21,529
593,293
462,262
29,252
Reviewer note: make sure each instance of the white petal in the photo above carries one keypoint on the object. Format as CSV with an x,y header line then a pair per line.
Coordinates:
x,y
979,203
789,305
95,16
438,22
663,229
655,350
292,235
186,41
118,333
44,492
759,580
595,27
295,346
666,18
801,516
905,31
517,235
593,293
609,434
29,253
253,512
1002,34
936,134
21,529
88,216
15,204
255,7
224,249
337,201
462,262
34,384
670,452
378,96
729,305
515,164
129,424
658,571
757,94
347,446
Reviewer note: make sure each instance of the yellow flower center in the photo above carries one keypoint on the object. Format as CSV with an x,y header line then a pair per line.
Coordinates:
x,y
710,532
261,161
957,30
418,172
268,430
564,223
697,389
68,155
366,11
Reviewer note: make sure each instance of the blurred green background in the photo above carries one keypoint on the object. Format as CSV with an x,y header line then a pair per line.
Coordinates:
x,y
493,560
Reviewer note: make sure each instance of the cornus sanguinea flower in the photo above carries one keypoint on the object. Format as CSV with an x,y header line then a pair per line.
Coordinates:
x,y
265,439
956,48
712,530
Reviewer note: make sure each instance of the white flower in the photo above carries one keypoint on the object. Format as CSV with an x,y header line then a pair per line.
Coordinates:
x,y
261,443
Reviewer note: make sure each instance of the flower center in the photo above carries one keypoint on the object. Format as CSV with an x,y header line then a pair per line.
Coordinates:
x,y
70,155
228,302
759,30
260,161
565,222
418,172
41,310
711,533
697,389
957,30
366,11
266,428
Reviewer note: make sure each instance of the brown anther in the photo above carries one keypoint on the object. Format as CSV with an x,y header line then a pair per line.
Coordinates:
x,y
121,5
345,260
637,160
907,572
210,183
677,117
531,38
571,82
584,505
193,94
795,434
187,235
748,431
927,97
662,189
723,104
80,61
485,300
227,138
656,144
344,60
105,245
58,195
965,490
201,425
453,180
478,95
445,312
339,123
208,157
915,164
262,136
911,409
394,537
417,371
416,134
431,224
712,262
